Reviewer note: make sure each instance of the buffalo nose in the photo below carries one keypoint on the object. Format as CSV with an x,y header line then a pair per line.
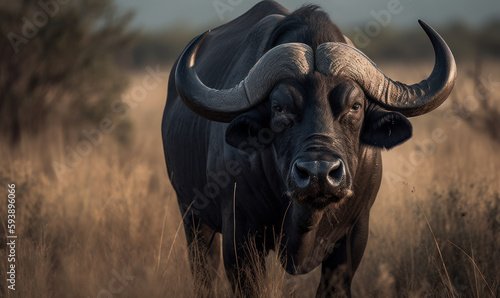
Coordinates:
x,y
319,172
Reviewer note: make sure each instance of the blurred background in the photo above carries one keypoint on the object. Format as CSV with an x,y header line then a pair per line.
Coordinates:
x,y
82,88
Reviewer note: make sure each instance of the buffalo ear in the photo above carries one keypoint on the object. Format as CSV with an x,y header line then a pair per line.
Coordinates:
x,y
385,129
246,126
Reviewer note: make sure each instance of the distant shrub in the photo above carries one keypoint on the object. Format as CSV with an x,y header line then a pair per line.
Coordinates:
x,y
479,106
57,63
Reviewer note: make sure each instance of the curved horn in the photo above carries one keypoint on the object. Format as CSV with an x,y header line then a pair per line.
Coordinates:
x,y
281,62
342,60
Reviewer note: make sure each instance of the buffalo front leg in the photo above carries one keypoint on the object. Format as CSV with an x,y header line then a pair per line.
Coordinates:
x,y
244,261
204,255
338,268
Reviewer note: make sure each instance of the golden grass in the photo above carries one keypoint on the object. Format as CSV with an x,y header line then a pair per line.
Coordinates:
x,y
117,212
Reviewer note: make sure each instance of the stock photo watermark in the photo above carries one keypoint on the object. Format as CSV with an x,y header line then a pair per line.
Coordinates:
x,y
224,6
381,19
222,179
31,26
121,108
117,284
427,147
11,237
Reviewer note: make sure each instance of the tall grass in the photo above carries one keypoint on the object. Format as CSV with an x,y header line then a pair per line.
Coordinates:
x,y
435,233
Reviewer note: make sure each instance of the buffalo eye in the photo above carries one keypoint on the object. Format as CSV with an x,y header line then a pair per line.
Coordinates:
x,y
278,109
356,106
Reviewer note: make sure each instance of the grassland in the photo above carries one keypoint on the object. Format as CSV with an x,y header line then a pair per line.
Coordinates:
x,y
435,227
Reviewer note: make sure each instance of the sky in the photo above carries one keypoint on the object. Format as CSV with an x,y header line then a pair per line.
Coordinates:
x,y
347,14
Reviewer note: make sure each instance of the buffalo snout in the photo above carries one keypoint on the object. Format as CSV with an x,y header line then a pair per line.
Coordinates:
x,y
323,180
320,172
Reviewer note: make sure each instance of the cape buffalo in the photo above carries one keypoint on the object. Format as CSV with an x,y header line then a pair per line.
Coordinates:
x,y
273,129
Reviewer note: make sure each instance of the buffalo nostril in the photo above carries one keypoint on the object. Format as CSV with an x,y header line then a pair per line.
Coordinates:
x,y
319,172
336,172
301,174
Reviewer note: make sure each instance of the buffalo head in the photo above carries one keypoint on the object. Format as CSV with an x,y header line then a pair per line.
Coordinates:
x,y
323,106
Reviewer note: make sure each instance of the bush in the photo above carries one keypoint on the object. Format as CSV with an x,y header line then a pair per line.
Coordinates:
x,y
57,63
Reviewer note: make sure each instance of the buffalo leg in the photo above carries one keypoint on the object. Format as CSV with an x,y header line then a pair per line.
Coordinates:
x,y
244,261
204,255
336,276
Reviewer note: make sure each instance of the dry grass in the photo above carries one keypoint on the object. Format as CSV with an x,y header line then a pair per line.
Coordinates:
x,y
116,211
